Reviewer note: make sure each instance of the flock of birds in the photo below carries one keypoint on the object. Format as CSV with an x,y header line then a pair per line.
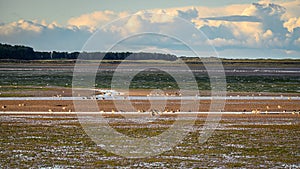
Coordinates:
x,y
157,112
266,110
257,111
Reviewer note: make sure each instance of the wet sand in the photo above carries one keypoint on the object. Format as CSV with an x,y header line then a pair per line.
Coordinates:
x,y
231,105
261,106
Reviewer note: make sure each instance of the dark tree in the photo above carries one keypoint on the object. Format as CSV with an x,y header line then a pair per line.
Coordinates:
x,y
27,53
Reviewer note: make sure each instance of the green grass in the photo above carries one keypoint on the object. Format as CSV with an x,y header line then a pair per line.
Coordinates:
x,y
62,76
60,141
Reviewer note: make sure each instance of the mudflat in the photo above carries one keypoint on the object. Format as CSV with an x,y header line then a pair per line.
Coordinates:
x,y
261,106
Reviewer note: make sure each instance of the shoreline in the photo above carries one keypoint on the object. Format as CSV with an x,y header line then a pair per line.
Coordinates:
x,y
158,98
144,113
282,105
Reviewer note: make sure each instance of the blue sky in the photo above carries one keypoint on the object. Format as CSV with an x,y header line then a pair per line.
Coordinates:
x,y
236,29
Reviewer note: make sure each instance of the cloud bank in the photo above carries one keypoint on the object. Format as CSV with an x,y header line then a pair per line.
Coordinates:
x,y
255,30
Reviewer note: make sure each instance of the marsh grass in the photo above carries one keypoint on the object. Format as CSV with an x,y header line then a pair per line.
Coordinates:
x,y
60,141
23,75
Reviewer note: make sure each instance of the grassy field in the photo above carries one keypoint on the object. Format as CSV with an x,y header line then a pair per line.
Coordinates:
x,y
240,141
58,141
241,75
152,80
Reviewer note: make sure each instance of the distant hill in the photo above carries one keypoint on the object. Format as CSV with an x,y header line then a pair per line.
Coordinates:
x,y
17,52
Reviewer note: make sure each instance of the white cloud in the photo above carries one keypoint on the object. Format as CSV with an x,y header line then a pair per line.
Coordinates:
x,y
271,32
134,23
259,26
292,8
43,36
292,23
96,19
219,42
268,34
21,25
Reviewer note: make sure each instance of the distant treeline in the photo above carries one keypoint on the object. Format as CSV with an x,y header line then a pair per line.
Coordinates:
x,y
27,53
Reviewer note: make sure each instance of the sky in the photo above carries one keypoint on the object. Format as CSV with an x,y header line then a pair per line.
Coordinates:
x,y
223,28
